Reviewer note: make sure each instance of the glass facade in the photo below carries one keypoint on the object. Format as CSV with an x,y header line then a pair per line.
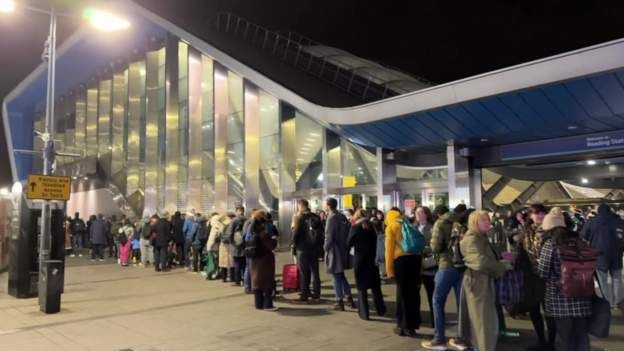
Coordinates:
x,y
175,130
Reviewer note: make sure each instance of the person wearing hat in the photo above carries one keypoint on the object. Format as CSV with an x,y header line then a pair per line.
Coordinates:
x,y
570,314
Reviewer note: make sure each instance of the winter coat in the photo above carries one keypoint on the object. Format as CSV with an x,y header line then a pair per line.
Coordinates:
x,y
393,238
363,239
478,293
237,225
177,224
604,233
163,233
336,233
226,251
379,227
214,237
263,265
98,232
440,238
78,226
190,229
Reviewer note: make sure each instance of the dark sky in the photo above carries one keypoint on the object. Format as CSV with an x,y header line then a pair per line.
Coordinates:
x,y
440,40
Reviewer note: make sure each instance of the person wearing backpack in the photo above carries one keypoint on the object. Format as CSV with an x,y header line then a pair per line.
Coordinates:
x,y
307,241
78,230
336,253
404,264
570,313
147,250
236,234
445,240
605,232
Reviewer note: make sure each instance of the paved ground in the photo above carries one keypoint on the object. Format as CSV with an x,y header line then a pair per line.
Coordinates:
x,y
107,307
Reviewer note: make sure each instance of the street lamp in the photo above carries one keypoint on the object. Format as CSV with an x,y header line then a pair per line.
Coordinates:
x,y
101,20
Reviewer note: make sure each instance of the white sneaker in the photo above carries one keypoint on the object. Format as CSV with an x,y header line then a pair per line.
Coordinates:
x,y
272,309
458,344
119,261
92,260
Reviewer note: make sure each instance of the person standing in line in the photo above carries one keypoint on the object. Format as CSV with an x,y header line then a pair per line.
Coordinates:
x,y
202,242
147,249
363,239
478,293
605,232
571,315
113,237
377,221
68,237
99,237
336,253
161,240
445,237
405,269
236,234
78,229
424,223
177,228
307,240
226,252
263,263
190,229
247,271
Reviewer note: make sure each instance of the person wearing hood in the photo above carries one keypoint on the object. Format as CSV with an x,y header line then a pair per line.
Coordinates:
x,y
405,269
605,233
147,250
570,313
177,228
190,228
363,239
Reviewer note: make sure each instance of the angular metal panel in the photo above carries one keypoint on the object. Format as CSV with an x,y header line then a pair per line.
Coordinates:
x,y
136,112
172,140
221,112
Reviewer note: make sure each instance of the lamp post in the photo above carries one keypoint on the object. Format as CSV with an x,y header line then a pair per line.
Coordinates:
x,y
101,20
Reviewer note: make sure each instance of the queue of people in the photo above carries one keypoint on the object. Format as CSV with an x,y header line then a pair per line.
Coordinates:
x,y
475,253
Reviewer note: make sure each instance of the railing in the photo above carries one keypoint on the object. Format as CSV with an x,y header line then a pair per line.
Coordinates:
x,y
291,48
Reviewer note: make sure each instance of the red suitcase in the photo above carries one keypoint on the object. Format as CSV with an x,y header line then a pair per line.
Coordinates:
x,y
290,277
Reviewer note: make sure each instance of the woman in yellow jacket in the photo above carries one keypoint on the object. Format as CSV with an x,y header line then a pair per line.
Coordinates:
x,y
405,269
478,292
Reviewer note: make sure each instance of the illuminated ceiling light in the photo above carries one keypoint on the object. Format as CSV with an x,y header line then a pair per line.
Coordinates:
x,y
584,180
484,140
7,6
572,127
612,168
591,162
105,21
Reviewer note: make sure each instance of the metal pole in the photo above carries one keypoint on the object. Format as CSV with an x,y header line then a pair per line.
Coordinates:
x,y
48,151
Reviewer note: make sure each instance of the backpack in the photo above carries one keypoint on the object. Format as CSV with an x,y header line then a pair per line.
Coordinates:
x,y
454,250
227,235
251,242
578,266
412,240
202,233
313,230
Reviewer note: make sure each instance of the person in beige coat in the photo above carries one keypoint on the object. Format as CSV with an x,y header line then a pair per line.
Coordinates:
x,y
478,293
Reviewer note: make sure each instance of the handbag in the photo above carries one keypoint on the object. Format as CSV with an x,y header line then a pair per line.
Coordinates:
x,y
600,320
509,288
430,261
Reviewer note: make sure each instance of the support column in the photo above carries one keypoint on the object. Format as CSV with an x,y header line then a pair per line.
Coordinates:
x,y
287,171
386,174
458,179
475,187
252,147
220,120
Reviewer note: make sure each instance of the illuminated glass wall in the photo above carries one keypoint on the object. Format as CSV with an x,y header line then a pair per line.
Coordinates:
x,y
136,115
270,154
81,116
92,120
183,125
207,135
235,141
118,131
154,133
104,124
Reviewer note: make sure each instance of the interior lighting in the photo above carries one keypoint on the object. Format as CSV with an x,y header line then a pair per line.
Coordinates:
x,y
591,162
584,180
4,191
105,21
16,188
7,6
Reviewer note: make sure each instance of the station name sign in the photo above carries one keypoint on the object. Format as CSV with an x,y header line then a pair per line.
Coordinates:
x,y
564,146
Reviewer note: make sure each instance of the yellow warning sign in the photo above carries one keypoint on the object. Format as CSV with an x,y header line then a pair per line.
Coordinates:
x,y
42,187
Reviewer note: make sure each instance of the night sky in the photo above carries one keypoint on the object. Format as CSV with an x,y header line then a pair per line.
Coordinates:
x,y
439,40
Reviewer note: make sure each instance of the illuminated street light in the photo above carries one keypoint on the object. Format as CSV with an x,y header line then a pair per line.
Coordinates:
x,y
104,21
7,6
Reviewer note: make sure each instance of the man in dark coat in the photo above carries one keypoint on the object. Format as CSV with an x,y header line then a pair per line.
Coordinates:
x,y
307,241
98,233
605,232
177,227
161,241
78,229
336,253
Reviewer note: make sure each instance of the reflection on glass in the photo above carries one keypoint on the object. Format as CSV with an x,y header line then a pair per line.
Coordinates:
x,y
39,125
92,127
154,145
120,92
183,124
235,141
70,123
359,163
81,116
59,130
309,146
269,153
136,115
104,125
207,135
409,173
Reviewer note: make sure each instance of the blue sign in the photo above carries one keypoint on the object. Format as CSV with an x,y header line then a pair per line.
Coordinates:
x,y
565,146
